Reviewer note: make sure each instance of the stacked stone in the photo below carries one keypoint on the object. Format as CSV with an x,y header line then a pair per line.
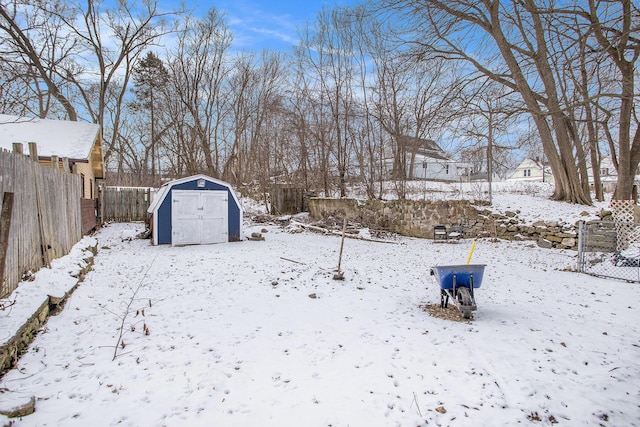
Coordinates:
x,y
417,218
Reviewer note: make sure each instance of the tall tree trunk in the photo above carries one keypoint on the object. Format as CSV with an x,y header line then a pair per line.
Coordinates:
x,y
561,159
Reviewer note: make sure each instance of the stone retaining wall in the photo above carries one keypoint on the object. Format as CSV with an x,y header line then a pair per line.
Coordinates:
x,y
417,219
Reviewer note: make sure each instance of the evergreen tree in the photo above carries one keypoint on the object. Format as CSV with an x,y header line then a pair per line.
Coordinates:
x,y
150,79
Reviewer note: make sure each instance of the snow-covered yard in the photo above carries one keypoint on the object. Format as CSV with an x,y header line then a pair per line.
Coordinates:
x,y
258,333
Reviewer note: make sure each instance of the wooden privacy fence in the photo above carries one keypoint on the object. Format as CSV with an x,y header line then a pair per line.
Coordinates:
x,y
40,216
124,204
288,199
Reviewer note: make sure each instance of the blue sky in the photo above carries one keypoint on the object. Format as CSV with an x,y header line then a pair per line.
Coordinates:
x,y
258,24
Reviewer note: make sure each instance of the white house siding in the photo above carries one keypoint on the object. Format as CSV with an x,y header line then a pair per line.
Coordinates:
x,y
439,170
436,169
530,170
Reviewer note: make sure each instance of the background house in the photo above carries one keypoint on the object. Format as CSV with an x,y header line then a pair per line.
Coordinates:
x,y
424,159
74,146
608,175
531,170
484,176
79,142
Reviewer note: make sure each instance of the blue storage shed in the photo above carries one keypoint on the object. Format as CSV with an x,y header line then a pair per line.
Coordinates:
x,y
195,210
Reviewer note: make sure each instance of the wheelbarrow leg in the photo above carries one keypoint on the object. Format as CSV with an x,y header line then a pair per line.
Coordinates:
x,y
444,298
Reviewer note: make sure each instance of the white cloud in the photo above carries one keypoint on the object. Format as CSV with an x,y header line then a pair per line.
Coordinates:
x,y
255,27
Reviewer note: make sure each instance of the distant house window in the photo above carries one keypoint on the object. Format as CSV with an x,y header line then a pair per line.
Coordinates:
x,y
446,169
527,172
82,185
604,171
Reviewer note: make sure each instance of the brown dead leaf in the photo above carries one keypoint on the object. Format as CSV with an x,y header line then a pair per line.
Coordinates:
x,y
449,313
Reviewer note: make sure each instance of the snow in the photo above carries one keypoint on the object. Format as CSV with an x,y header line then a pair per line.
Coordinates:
x,y
259,333
36,289
530,200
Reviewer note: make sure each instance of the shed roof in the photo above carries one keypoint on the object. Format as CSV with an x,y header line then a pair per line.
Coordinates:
x,y
164,190
54,137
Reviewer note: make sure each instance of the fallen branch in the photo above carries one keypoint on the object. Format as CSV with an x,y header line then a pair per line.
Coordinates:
x,y
291,260
6,303
120,343
415,399
338,233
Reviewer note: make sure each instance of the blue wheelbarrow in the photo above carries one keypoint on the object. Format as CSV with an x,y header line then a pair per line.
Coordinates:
x,y
457,282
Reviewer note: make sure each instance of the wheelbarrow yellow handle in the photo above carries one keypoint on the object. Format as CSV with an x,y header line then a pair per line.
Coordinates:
x,y
473,246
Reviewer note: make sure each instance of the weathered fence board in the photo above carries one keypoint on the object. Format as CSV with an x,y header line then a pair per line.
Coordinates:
x,y
45,221
124,204
286,199
89,220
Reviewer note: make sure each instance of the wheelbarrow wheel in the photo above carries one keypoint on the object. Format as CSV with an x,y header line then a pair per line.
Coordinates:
x,y
465,302
464,297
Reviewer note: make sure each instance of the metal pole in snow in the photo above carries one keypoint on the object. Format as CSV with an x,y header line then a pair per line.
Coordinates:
x,y
340,275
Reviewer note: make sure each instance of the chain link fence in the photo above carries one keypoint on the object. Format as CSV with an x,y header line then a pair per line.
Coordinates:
x,y
610,249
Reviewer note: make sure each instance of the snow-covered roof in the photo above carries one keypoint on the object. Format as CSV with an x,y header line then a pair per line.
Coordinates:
x,y
425,147
54,137
162,192
157,198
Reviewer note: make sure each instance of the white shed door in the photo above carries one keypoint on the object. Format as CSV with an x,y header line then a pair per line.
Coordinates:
x,y
199,217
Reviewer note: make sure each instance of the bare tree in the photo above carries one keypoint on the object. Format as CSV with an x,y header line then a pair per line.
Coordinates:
x,y
615,25
132,27
256,88
266,141
516,34
198,68
313,120
412,100
33,45
85,49
329,57
368,140
20,93
298,124
241,84
487,113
